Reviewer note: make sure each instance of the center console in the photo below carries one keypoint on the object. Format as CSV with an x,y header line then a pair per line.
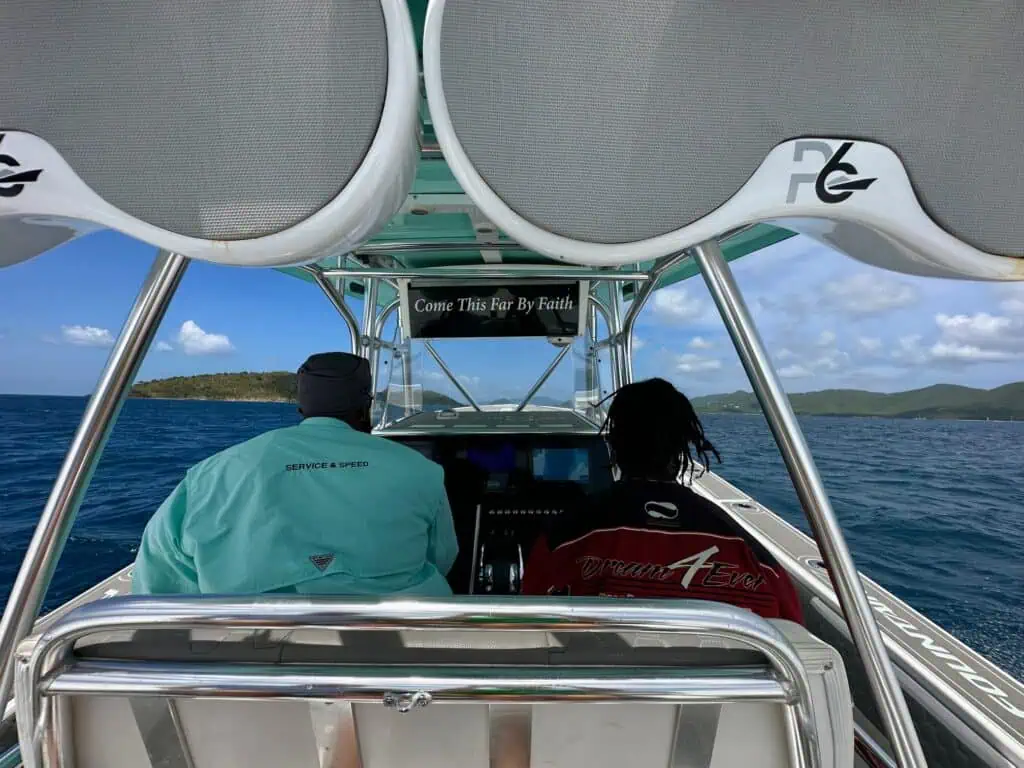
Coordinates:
x,y
504,492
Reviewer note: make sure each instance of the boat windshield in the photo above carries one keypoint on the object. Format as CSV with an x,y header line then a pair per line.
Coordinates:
x,y
448,378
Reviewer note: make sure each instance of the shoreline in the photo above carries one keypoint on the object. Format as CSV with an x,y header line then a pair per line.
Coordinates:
x,y
702,412
211,399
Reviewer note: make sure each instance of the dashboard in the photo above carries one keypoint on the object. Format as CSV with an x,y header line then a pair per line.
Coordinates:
x,y
514,461
504,491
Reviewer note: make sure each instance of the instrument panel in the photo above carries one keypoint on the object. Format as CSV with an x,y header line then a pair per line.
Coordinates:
x,y
504,491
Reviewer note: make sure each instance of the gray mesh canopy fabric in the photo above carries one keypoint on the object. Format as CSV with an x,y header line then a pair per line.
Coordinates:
x,y
230,119
616,121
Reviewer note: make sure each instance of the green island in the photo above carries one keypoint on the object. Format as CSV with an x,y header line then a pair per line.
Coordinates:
x,y
245,386
941,401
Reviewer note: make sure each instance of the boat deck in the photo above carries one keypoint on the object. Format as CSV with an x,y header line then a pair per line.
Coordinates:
x,y
959,700
964,705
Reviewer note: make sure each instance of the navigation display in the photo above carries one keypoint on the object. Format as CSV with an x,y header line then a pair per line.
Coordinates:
x,y
498,460
511,310
562,464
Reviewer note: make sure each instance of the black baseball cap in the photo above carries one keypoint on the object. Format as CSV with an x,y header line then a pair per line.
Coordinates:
x,y
334,384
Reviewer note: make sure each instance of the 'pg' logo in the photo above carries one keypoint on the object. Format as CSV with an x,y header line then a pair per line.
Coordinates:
x,y
12,183
833,183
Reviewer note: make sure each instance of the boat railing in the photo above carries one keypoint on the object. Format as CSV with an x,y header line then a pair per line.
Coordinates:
x,y
48,668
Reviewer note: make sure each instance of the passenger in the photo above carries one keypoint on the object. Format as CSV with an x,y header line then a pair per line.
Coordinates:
x,y
322,507
650,536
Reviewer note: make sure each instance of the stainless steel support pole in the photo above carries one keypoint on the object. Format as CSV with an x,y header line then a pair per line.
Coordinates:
x,y
544,377
814,499
616,337
377,342
406,354
58,516
613,352
451,376
369,317
338,300
592,380
627,357
639,302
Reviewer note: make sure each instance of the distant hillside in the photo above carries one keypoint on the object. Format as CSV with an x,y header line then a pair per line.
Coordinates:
x,y
941,401
275,386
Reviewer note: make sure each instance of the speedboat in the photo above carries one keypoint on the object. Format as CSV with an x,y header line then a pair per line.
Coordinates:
x,y
505,170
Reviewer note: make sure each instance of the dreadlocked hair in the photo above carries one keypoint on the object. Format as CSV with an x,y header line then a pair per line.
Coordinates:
x,y
652,429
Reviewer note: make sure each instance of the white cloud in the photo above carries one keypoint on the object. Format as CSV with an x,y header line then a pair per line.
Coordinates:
x,y
796,371
1012,306
469,381
831,361
163,346
869,345
826,339
868,293
943,350
195,341
980,337
983,330
699,342
86,336
820,356
675,306
692,363
976,338
435,376
908,349
638,343
1013,303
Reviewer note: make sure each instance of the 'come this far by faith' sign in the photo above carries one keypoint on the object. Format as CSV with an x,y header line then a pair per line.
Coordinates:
x,y
493,311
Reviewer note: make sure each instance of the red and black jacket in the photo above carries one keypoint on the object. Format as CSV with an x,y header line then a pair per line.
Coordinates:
x,y
648,539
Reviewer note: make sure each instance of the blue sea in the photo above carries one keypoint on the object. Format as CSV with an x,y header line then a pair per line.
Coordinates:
x,y
933,510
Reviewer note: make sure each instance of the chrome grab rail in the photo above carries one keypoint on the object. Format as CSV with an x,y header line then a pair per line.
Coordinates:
x,y
373,685
45,671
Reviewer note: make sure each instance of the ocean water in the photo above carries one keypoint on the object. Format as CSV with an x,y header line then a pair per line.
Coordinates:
x,y
933,510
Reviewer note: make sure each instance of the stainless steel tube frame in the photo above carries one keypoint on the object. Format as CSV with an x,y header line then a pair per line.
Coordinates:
x,y
544,377
814,499
872,746
338,300
451,376
616,337
495,272
401,350
376,342
352,683
383,317
73,479
581,614
369,317
613,349
639,302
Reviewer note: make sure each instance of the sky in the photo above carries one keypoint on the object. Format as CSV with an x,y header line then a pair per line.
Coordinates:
x,y
827,320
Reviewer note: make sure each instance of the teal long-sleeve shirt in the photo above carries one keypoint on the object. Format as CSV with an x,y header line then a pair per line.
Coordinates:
x,y
317,508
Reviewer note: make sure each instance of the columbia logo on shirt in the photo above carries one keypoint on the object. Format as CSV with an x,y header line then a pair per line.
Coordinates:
x,y
326,465
321,561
